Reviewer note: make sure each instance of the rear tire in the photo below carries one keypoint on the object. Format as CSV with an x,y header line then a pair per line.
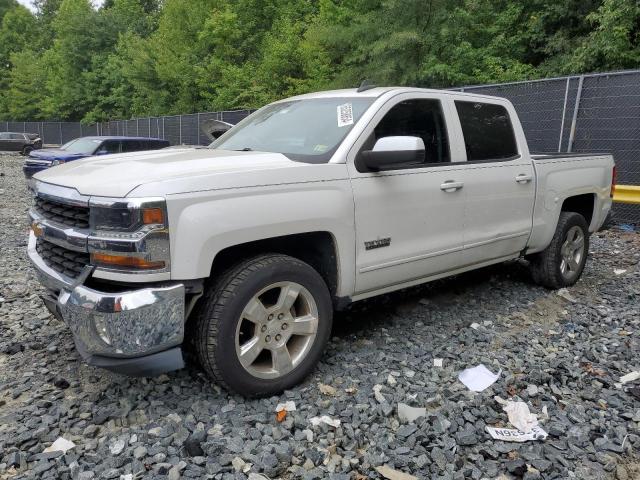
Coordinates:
x,y
562,262
263,325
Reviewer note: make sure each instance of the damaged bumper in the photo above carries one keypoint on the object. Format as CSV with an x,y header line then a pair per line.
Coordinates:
x,y
136,332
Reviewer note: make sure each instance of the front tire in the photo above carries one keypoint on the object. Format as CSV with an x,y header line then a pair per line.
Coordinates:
x,y
562,262
26,151
263,326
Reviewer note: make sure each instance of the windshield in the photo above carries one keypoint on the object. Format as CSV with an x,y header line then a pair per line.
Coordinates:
x,y
81,145
307,130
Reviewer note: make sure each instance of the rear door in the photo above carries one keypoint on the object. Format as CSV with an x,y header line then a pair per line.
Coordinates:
x,y
408,225
499,180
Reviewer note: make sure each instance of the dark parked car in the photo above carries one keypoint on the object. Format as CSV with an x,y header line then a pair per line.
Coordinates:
x,y
19,142
87,147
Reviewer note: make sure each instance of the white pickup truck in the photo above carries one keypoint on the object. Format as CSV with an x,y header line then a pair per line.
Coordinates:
x,y
244,249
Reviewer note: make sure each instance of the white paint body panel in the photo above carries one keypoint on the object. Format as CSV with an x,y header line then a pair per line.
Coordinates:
x,y
218,199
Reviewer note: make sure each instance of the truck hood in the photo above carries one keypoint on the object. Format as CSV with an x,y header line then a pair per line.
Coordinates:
x,y
181,170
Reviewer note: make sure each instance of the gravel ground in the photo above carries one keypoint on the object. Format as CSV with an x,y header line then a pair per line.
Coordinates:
x,y
559,354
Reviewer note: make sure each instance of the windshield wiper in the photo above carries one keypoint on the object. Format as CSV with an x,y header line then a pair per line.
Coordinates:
x,y
245,149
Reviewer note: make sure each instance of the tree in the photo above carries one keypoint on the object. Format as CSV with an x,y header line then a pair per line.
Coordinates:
x,y
614,42
17,29
5,6
157,57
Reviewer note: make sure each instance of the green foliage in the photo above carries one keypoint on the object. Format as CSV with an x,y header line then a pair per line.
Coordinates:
x,y
152,57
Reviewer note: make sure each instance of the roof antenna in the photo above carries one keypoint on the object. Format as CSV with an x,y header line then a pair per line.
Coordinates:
x,y
365,85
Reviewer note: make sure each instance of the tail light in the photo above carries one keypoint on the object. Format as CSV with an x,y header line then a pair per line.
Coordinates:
x,y
613,181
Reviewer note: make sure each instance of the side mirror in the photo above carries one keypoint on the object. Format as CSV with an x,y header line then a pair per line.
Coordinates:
x,y
394,152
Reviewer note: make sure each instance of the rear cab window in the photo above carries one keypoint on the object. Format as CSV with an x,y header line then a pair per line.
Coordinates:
x,y
487,130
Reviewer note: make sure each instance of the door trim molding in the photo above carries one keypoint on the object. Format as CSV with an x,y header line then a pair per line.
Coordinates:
x,y
424,256
415,258
497,239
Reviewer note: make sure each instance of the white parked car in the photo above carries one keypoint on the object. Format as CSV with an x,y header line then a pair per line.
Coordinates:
x,y
244,249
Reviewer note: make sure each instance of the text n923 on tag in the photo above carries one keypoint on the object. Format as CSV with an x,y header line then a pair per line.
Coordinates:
x,y
512,435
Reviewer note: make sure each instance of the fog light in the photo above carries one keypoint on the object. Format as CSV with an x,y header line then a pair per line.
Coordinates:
x,y
101,329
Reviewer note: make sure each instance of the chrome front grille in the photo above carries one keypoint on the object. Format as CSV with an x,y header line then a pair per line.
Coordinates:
x,y
63,214
62,260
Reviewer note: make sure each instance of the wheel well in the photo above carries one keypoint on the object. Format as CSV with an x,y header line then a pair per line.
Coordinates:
x,y
318,249
582,204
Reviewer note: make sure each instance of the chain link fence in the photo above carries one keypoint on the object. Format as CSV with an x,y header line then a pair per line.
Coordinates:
x,y
178,129
579,113
597,113
52,133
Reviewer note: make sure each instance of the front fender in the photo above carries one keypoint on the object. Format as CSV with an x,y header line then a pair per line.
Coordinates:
x,y
204,223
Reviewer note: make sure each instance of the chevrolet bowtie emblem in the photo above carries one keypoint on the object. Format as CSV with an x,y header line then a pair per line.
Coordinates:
x,y
37,229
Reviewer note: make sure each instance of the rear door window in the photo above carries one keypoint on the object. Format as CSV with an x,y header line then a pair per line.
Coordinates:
x,y
17,136
488,133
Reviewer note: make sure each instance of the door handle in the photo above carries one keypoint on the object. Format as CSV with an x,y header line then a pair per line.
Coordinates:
x,y
451,186
523,178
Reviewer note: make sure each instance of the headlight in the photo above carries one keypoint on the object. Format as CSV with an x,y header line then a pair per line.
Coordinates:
x,y
57,162
129,234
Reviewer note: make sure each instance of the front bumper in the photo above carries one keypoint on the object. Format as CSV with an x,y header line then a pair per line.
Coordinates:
x,y
136,332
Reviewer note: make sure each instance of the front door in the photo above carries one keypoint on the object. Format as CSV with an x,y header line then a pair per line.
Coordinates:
x,y
409,222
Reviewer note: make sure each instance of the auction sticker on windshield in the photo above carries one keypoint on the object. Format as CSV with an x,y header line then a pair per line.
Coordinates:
x,y
345,115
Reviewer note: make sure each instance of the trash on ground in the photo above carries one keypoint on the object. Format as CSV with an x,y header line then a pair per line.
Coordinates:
x,y
379,396
332,422
391,474
327,389
526,423
519,414
619,271
351,390
391,380
478,378
60,445
437,362
630,377
564,293
281,416
513,435
410,414
475,325
289,406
